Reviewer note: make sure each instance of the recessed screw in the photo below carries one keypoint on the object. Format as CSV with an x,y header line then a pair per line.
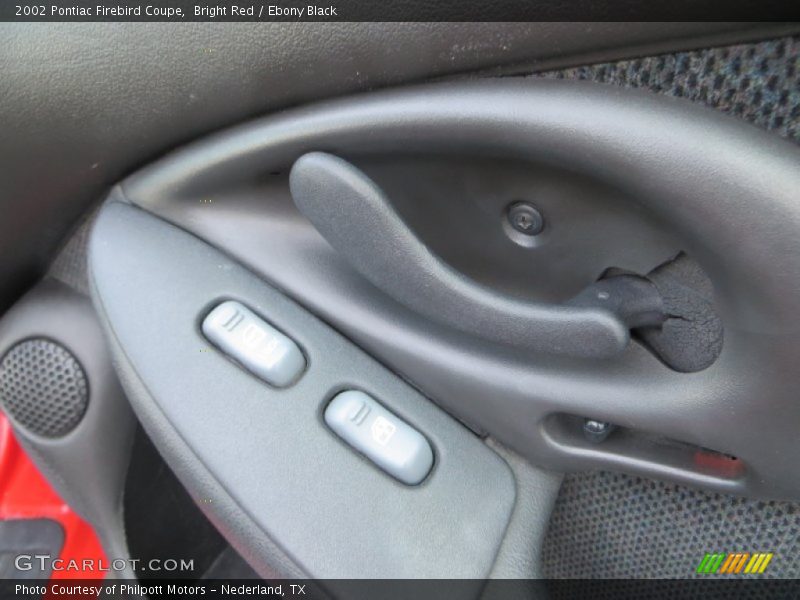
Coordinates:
x,y
525,218
596,431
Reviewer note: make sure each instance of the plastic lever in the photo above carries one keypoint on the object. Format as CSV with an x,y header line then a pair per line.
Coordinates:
x,y
357,219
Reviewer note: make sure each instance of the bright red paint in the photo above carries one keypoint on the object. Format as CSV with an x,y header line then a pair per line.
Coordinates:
x,y
26,494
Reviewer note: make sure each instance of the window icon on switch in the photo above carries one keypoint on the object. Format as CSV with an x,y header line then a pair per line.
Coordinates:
x,y
382,431
255,344
380,435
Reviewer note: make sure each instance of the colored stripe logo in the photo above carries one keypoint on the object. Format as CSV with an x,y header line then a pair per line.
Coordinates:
x,y
734,563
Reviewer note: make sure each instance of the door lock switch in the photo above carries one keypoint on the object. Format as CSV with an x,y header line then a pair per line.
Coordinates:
x,y
254,343
389,442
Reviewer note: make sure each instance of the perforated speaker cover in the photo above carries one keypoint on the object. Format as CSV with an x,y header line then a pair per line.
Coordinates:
x,y
43,387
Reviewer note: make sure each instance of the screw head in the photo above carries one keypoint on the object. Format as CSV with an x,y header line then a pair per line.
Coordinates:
x,y
525,218
596,431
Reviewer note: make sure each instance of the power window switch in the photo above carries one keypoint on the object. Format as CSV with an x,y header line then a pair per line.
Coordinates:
x,y
254,343
388,441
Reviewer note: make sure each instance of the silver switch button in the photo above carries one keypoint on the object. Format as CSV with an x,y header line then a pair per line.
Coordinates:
x,y
257,345
389,442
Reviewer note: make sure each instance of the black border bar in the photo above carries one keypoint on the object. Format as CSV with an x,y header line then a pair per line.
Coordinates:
x,y
397,10
433,589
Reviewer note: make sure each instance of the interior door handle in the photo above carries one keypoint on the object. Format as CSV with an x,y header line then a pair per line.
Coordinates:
x,y
727,205
357,219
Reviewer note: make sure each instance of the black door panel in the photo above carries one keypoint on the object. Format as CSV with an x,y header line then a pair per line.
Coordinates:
x,y
530,267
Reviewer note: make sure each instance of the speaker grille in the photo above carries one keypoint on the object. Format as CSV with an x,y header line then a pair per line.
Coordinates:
x,y
43,387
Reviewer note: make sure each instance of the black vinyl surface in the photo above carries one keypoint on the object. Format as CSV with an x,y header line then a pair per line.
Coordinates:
x,y
85,104
30,538
612,525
